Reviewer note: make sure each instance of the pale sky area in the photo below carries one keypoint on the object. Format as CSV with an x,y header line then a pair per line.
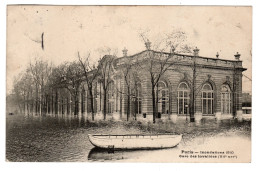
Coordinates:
x,y
69,29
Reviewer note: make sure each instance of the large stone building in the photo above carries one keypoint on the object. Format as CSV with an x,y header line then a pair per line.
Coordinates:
x,y
215,84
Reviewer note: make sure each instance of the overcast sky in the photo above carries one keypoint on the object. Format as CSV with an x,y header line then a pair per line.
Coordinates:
x,y
87,29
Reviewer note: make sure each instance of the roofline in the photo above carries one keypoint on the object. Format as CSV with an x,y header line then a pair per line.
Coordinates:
x,y
178,54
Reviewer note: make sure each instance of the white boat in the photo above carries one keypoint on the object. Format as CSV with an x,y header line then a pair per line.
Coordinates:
x,y
133,141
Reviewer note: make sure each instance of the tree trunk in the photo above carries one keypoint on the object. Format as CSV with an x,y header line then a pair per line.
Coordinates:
x,y
40,102
52,104
105,105
91,103
56,103
62,109
67,105
120,106
24,104
154,108
157,102
32,106
36,101
128,104
136,107
27,104
70,103
192,112
76,105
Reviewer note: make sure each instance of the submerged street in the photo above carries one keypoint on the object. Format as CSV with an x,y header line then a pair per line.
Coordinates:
x,y
64,138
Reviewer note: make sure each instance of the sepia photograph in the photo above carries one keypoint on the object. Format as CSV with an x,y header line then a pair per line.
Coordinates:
x,y
131,84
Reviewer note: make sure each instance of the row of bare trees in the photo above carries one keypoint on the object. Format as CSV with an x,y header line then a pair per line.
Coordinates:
x,y
45,88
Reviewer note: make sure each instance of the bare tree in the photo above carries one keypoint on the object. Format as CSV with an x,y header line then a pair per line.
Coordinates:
x,y
91,73
68,76
106,70
158,62
129,71
40,71
72,81
22,93
126,72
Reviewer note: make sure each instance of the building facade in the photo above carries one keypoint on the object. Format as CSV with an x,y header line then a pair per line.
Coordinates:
x,y
246,103
190,86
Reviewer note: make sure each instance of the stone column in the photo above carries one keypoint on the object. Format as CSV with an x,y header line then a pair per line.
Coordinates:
x,y
101,99
147,106
124,100
173,106
239,98
238,88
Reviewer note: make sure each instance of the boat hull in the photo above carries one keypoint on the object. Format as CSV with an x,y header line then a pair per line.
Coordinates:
x,y
135,141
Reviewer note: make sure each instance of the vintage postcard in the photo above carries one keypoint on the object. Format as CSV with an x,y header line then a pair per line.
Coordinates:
x,y
168,84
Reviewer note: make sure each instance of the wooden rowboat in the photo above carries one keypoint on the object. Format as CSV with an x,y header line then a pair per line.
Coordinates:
x,y
132,141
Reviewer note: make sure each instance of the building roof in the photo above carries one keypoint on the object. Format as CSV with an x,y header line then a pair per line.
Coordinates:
x,y
188,59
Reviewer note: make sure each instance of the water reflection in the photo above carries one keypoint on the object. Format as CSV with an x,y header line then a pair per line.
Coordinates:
x,y
63,137
98,154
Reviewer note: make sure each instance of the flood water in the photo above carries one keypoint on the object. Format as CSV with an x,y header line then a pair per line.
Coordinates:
x,y
64,138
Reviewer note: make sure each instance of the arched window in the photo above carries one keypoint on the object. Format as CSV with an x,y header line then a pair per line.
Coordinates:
x,y
163,97
207,99
183,98
110,97
225,99
139,98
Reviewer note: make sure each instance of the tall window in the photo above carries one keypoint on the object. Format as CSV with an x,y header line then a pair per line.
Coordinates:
x,y
95,96
225,99
110,96
207,99
139,99
163,98
183,98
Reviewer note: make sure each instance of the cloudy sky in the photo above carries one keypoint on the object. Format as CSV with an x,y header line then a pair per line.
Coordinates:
x,y
89,29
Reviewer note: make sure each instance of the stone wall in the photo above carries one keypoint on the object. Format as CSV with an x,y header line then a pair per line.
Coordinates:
x,y
216,76
214,71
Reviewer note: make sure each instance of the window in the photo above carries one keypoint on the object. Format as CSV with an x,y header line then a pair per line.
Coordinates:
x,y
110,96
207,99
225,99
139,99
163,97
183,98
